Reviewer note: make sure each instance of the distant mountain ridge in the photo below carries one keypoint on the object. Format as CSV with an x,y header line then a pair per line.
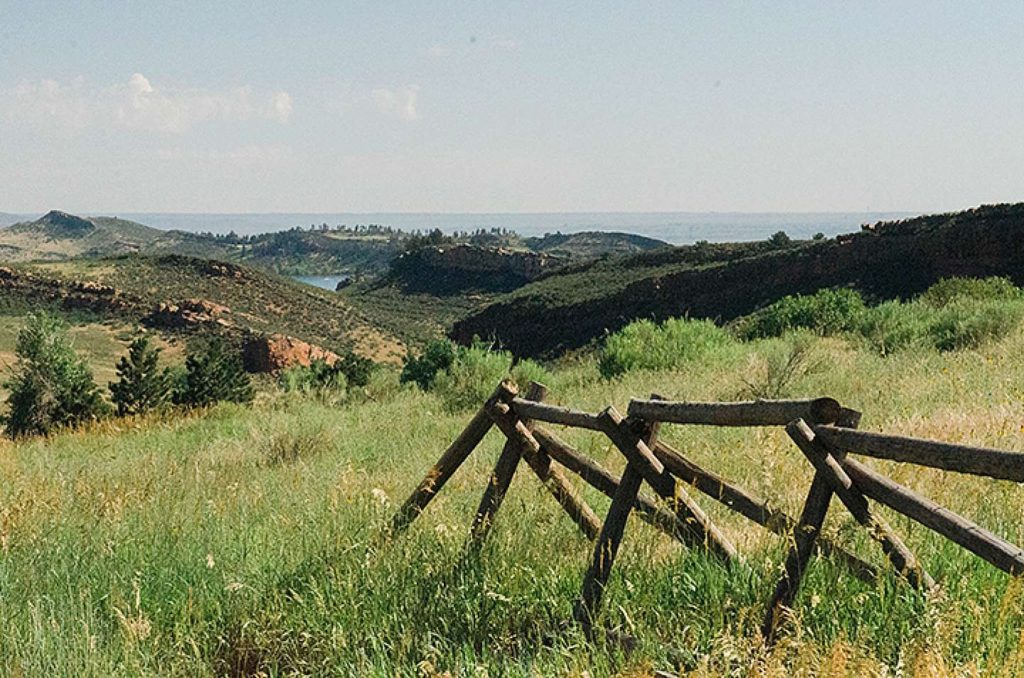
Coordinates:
x,y
58,235
898,259
318,250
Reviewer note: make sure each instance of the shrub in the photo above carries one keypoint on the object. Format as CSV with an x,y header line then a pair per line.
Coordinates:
x,y
318,377
949,290
963,325
645,345
893,326
213,373
825,312
355,368
476,370
437,357
141,384
780,239
779,365
51,386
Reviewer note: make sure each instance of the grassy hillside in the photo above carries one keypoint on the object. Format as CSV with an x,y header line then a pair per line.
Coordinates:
x,y
574,306
58,236
187,546
129,289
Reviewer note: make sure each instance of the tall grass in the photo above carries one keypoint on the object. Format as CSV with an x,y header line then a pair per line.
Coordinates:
x,y
252,540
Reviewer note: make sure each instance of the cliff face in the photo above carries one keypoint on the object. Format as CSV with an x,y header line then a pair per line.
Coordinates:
x,y
885,261
453,268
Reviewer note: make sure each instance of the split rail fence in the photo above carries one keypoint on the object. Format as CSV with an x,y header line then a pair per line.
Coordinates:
x,y
823,430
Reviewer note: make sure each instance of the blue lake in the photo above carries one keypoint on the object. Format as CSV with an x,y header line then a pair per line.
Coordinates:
x,y
327,282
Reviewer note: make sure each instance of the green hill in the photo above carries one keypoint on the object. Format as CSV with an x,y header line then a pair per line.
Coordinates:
x,y
177,294
58,235
579,304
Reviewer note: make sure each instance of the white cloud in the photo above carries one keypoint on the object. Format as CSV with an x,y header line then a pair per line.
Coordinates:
x,y
399,102
139,104
506,44
438,50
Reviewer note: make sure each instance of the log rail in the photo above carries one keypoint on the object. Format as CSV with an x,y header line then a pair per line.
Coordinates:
x,y
821,428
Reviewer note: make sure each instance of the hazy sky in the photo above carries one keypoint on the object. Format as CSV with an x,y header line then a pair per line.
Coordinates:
x,y
481,106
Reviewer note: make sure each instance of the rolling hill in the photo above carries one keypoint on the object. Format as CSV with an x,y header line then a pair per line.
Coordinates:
x,y
182,295
57,236
579,304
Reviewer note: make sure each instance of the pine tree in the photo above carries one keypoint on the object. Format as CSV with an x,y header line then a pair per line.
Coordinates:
x,y
213,373
141,384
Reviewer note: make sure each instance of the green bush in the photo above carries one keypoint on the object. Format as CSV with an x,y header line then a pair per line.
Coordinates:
x,y
356,369
213,373
949,290
645,345
421,370
962,323
825,312
141,384
965,324
477,370
317,378
893,326
51,386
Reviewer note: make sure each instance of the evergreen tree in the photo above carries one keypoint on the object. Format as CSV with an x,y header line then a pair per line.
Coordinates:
x,y
141,384
213,373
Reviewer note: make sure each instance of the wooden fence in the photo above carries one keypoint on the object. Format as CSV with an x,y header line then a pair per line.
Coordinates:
x,y
823,430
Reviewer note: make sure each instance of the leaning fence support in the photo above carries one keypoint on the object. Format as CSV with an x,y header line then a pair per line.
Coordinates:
x,y
661,481
806,531
448,464
959,530
596,578
752,507
501,478
607,483
827,463
550,476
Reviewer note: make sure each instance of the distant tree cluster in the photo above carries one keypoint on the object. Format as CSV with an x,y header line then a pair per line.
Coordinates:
x,y
51,387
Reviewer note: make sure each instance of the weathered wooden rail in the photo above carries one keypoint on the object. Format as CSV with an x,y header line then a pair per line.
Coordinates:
x,y
822,429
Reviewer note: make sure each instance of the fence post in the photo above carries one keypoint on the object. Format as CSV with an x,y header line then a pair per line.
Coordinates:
x,y
501,478
449,463
608,541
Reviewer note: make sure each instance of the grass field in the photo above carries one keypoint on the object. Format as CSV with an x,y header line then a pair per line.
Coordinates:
x,y
250,541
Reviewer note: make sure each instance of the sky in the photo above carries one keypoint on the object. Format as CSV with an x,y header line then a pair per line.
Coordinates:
x,y
770,106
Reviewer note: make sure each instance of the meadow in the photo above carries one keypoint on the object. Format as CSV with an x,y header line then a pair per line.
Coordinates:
x,y
252,540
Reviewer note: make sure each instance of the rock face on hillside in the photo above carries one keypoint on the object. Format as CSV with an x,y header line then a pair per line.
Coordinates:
x,y
68,294
275,352
886,261
451,268
186,314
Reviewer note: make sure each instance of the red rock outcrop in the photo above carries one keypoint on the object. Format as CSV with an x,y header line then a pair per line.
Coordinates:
x,y
275,352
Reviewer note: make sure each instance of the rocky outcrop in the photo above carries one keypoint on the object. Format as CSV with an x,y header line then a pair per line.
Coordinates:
x,y
188,313
495,260
455,269
70,294
275,352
